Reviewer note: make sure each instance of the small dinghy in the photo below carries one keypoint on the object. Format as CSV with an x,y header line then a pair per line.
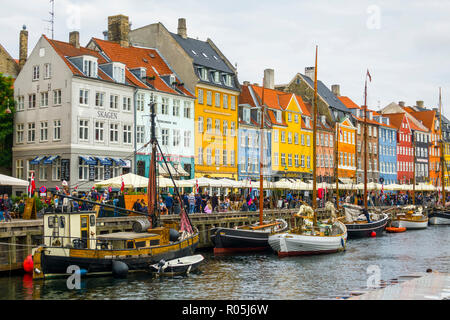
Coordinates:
x,y
178,266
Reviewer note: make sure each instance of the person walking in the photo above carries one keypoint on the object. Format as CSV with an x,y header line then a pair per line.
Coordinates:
x,y
169,203
191,202
215,202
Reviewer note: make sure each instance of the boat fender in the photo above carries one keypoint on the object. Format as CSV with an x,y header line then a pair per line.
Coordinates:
x,y
119,269
343,243
173,235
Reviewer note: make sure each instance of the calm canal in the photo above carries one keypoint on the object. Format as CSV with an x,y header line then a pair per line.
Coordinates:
x,y
262,276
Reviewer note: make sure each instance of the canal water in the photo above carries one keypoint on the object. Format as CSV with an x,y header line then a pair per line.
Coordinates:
x,y
262,276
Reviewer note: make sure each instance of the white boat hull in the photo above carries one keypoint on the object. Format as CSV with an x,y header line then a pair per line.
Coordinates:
x,y
409,224
439,220
290,244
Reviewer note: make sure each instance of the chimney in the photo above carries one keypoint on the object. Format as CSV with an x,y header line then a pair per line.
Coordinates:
x,y
182,30
309,72
23,46
74,39
401,103
118,30
246,83
269,78
335,88
105,35
419,103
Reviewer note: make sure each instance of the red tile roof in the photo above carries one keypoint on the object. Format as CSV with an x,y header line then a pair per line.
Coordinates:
x,y
348,102
395,119
427,117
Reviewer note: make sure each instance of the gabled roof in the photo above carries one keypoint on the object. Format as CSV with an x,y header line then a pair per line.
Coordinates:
x,y
307,111
348,102
427,117
395,119
138,57
273,99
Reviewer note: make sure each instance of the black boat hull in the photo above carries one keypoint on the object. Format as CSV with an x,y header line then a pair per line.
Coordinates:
x,y
227,240
364,230
439,217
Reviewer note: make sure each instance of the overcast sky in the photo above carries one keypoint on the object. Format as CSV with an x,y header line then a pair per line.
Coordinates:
x,y
404,44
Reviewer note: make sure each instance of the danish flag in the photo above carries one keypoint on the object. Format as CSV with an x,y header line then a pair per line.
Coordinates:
x,y
32,186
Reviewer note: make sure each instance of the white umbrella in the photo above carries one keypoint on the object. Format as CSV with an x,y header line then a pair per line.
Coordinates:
x,y
11,181
283,184
130,180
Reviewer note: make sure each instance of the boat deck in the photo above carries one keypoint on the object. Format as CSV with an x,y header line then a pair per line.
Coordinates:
x,y
420,286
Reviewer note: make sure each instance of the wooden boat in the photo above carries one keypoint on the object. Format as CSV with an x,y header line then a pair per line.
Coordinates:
x,y
410,218
307,238
439,216
357,225
249,238
395,230
70,238
177,266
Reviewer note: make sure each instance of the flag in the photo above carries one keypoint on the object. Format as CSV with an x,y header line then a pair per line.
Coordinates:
x,y
57,189
250,186
196,185
368,74
122,187
76,187
109,189
32,185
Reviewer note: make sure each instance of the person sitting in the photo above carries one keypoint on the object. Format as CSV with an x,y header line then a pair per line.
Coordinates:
x,y
244,206
208,208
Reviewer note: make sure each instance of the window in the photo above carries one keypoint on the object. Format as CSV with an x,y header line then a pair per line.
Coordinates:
x,y
232,157
225,101
99,129
127,134
126,104
56,129
283,136
84,130
275,135
209,98
208,156
283,159
165,137
165,106
308,140
209,125
225,156
57,97
20,103
47,71
43,172
200,155
114,102
200,124
225,127
303,139
203,74
176,137
233,102
19,169
44,131
140,134
19,133
113,132
278,116
296,160
296,118
84,96
56,170
187,139
176,108
246,114
232,129
119,74
228,80
200,96
217,99
217,126
32,101
289,117
99,172
290,159
308,162
99,99
289,137
275,158
302,161
44,99
83,170
296,138
31,132
140,102
35,73
217,157
187,109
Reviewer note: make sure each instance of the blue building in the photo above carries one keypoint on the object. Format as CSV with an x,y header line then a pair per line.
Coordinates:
x,y
387,138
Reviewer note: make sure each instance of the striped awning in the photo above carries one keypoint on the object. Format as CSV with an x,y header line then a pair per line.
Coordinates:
x,y
119,162
88,160
37,160
104,161
50,159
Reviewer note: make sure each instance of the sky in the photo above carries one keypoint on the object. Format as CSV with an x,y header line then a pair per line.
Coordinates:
x,y
405,45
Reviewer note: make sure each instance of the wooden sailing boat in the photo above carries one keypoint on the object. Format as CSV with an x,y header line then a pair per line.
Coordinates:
x,y
440,215
365,225
308,235
70,238
249,238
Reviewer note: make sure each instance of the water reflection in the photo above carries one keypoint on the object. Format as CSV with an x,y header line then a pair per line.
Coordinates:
x,y
261,276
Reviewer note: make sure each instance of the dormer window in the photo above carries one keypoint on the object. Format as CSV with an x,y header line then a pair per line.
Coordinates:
x,y
203,74
246,115
90,66
143,73
216,76
278,116
172,79
119,72
227,80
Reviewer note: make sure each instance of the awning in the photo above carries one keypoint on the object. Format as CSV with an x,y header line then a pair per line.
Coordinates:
x,y
119,162
50,159
346,180
179,170
37,160
88,160
104,161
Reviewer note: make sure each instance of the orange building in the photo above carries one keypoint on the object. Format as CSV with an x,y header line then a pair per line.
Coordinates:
x,y
346,143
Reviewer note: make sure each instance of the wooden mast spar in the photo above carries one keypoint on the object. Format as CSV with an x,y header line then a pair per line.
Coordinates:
x,y
314,156
441,150
261,158
365,143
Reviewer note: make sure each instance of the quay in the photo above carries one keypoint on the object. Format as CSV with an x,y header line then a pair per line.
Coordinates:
x,y
418,286
18,237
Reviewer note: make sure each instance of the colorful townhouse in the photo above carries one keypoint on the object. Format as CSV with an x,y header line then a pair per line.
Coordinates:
x,y
325,150
249,134
156,82
346,150
207,73
446,149
387,155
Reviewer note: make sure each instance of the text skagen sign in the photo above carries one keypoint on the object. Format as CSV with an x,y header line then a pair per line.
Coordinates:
x,y
107,114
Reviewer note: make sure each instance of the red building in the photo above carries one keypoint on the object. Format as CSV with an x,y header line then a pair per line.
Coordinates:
x,y
405,153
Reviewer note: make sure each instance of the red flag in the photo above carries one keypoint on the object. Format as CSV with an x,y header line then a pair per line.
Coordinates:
x,y
32,186
368,74
196,185
250,185
57,189
122,187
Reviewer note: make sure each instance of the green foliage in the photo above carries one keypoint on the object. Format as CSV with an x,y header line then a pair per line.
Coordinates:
x,y
6,120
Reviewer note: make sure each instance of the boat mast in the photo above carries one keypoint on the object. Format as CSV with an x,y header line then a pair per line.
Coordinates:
x,y
261,157
152,190
414,166
336,163
365,144
441,150
314,158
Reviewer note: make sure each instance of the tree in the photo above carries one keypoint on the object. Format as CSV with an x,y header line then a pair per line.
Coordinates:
x,y
7,109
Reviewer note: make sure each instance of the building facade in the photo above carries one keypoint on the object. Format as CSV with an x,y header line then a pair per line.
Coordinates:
x,y
387,142
346,144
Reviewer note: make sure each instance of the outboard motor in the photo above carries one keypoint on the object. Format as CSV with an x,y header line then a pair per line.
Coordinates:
x,y
119,269
173,235
161,264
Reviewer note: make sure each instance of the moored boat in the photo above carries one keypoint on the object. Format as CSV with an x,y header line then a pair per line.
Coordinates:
x,y
439,216
359,227
410,218
177,266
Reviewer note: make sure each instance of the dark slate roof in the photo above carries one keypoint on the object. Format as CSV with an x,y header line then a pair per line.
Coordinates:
x,y
200,48
327,95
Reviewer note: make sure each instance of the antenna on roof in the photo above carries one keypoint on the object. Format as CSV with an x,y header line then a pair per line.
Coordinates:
x,y
52,19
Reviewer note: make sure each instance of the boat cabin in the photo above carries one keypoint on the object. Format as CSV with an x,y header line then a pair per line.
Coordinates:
x,y
128,240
